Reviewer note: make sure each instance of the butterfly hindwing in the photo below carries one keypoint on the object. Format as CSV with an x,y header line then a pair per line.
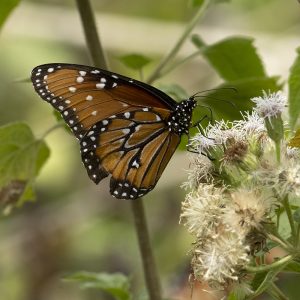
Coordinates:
x,y
133,147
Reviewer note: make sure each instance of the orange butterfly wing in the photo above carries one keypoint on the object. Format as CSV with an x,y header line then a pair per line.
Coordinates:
x,y
134,147
121,124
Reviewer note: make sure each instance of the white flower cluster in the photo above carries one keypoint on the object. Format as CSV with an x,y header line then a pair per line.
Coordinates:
x,y
233,195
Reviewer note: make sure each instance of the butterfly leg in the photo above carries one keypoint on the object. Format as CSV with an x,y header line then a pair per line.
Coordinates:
x,y
189,147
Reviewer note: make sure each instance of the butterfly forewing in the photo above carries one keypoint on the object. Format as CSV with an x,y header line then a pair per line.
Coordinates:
x,y
123,125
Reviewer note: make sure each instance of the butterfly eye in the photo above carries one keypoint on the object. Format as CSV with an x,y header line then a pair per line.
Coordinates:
x,y
126,128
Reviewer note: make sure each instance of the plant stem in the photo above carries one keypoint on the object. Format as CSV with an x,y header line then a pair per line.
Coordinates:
x,y
57,125
190,26
98,58
298,236
264,268
277,239
91,34
175,65
288,210
150,272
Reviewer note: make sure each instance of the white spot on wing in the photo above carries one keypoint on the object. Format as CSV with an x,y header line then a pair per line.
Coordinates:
x,y
89,98
50,70
94,113
72,89
100,85
135,164
79,79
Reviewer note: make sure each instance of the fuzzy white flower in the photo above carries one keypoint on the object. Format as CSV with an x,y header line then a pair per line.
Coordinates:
x,y
270,105
219,259
289,179
252,123
202,210
201,169
201,143
248,209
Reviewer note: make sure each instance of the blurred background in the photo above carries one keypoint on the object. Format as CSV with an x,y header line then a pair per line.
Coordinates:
x,y
75,225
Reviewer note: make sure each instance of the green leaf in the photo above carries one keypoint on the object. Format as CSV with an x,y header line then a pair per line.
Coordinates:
x,y
175,91
117,285
196,3
21,158
135,61
262,280
294,91
232,297
235,58
197,41
275,128
293,267
296,216
6,7
227,104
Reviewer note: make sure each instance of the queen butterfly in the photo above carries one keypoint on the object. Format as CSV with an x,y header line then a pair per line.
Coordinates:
x,y
126,128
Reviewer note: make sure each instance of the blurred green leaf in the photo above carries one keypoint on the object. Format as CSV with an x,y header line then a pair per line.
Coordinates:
x,y
235,58
134,61
21,158
274,126
227,104
296,216
294,91
262,280
6,7
196,3
197,41
175,91
293,267
232,297
117,285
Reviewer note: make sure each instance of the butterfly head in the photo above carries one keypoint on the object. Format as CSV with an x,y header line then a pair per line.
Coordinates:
x,y
180,120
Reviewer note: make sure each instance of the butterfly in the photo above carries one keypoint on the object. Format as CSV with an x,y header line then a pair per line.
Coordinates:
x,y
126,128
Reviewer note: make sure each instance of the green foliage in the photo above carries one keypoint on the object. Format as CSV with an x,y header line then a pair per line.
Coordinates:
x,y
197,41
275,129
175,91
294,91
117,285
293,267
239,100
21,158
235,58
6,7
196,3
135,61
262,280
297,215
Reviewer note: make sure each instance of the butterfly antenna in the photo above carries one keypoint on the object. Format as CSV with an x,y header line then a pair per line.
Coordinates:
x,y
231,88
216,99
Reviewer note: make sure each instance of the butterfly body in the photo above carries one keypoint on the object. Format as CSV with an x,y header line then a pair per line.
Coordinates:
x,y
126,128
